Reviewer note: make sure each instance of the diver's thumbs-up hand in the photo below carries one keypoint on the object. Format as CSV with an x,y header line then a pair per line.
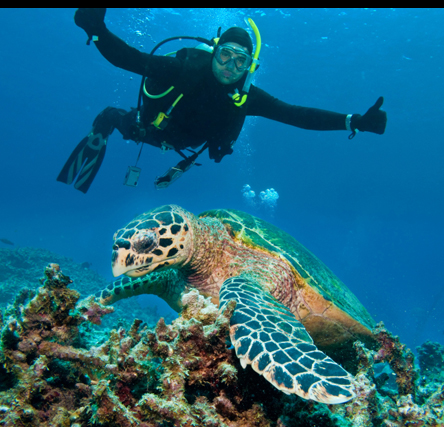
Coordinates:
x,y
90,19
374,120
378,104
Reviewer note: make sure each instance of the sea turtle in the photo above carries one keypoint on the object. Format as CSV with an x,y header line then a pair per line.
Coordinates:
x,y
287,299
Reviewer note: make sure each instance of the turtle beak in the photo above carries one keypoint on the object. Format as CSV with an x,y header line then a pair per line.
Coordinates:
x,y
125,261
118,264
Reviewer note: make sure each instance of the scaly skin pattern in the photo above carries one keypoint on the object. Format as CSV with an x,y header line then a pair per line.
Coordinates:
x,y
207,254
211,258
169,250
169,285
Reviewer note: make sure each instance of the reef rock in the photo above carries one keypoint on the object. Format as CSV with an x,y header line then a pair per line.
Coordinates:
x,y
21,269
56,369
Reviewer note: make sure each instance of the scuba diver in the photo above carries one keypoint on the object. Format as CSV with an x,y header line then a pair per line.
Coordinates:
x,y
195,100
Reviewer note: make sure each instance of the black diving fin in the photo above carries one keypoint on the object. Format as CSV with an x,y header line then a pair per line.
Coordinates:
x,y
84,162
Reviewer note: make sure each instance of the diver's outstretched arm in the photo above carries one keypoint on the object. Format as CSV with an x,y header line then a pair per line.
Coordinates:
x,y
120,54
264,105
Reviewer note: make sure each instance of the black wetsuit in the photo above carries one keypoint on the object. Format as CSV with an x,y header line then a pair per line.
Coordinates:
x,y
205,114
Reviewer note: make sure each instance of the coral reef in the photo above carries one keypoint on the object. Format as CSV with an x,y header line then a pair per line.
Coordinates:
x,y
431,360
57,368
405,406
21,269
137,377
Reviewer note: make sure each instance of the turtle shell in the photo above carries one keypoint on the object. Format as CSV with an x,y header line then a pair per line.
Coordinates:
x,y
313,277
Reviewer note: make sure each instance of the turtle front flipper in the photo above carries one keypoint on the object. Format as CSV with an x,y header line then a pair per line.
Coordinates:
x,y
268,336
168,285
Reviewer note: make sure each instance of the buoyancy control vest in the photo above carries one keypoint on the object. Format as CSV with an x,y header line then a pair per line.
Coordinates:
x,y
195,84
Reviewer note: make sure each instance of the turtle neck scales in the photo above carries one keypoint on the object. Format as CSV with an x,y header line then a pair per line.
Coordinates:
x,y
216,257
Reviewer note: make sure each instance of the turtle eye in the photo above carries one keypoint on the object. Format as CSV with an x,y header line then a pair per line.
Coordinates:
x,y
145,242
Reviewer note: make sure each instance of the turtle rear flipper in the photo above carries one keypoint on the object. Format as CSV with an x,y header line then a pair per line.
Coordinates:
x,y
267,336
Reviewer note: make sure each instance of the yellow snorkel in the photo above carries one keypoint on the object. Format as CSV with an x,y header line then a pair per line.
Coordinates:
x,y
240,98
253,26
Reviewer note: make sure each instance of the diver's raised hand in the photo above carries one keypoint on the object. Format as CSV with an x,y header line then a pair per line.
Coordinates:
x,y
374,120
90,19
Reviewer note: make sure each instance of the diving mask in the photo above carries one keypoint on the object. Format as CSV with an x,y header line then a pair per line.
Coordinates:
x,y
227,53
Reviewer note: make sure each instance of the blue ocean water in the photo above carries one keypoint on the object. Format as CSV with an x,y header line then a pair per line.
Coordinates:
x,y
371,208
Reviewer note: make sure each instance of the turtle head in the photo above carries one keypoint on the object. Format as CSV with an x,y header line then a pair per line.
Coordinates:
x,y
156,240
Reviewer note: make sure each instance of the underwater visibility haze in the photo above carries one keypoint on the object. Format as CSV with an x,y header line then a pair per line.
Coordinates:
x,y
371,208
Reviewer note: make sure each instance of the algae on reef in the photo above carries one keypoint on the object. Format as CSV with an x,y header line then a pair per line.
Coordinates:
x,y
54,373
21,269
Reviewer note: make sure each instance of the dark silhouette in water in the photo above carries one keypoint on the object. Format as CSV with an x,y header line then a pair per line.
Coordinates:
x,y
7,242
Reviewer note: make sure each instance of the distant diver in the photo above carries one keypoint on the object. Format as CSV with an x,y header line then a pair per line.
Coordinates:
x,y
7,242
195,100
